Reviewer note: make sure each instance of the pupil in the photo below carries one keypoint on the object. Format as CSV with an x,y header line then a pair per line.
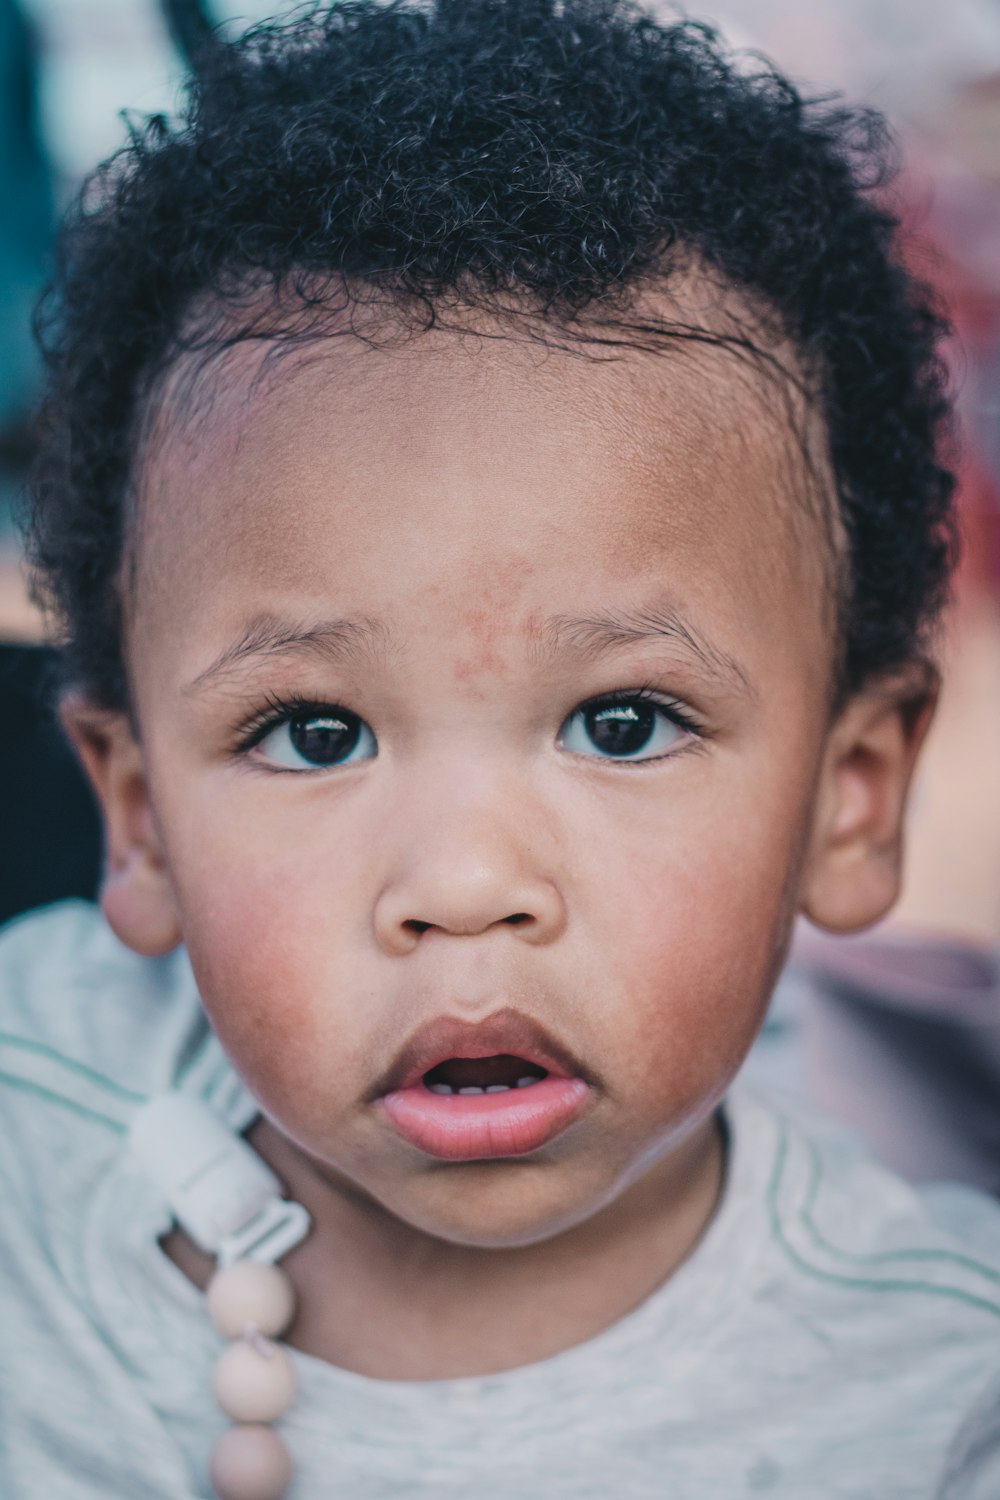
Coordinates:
x,y
620,728
325,739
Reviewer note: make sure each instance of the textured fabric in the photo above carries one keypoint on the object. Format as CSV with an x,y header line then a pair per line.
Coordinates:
x,y
828,1340
973,1468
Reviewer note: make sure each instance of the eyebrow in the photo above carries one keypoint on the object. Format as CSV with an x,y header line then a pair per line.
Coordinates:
x,y
268,638
588,636
593,635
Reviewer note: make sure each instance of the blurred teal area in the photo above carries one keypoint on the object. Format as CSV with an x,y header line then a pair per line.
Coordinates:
x,y
25,232
69,71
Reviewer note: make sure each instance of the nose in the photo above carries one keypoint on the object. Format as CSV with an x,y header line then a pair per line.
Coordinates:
x,y
465,872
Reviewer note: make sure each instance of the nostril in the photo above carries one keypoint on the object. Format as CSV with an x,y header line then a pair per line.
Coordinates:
x,y
516,919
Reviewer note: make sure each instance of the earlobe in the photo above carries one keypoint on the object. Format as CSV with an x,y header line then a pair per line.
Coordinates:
x,y
853,870
136,891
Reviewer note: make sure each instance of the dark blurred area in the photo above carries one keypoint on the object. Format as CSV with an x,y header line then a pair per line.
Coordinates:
x,y
51,834
25,232
49,829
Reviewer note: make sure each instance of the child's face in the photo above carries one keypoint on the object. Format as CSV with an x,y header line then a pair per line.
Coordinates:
x,y
464,544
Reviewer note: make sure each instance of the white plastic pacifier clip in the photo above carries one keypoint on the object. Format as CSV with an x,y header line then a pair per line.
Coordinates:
x,y
229,1203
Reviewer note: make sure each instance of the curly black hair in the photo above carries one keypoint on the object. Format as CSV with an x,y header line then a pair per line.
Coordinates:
x,y
550,154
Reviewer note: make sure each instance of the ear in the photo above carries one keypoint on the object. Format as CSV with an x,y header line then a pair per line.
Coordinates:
x,y
136,892
853,870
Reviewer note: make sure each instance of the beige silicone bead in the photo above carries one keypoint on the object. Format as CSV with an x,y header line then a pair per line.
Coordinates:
x,y
249,1291
254,1382
250,1463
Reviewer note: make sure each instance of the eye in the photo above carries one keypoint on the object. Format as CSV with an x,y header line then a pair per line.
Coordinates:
x,y
627,726
318,739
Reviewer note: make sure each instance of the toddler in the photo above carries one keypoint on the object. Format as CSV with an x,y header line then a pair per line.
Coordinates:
x,y
491,504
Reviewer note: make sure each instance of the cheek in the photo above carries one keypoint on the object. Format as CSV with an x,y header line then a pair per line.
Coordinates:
x,y
270,945
693,932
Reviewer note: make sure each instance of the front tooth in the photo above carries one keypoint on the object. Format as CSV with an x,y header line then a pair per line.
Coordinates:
x,y
440,1088
498,1088
526,1082
472,1089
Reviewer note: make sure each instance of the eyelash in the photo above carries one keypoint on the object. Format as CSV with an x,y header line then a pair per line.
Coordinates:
x,y
278,710
680,714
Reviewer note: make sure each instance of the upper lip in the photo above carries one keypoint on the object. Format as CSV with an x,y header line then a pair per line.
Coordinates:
x,y
506,1031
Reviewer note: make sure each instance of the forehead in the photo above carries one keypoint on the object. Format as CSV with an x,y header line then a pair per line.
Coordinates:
x,y
477,471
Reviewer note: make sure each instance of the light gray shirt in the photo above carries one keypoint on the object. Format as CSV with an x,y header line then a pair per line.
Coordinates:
x,y
829,1339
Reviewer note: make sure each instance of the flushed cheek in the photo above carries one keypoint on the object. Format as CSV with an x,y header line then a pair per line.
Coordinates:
x,y
692,963
273,967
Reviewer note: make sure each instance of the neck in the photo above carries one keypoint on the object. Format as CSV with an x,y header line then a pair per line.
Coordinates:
x,y
389,1301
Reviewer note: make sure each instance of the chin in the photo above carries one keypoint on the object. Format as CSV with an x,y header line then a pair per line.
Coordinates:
x,y
494,1206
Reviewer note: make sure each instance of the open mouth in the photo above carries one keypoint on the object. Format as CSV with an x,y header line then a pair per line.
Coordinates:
x,y
502,1087
469,1076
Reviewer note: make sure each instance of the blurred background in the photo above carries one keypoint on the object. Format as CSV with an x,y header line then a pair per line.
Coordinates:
x,y
898,1031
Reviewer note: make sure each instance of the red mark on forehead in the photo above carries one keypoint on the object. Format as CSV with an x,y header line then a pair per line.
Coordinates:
x,y
531,625
481,628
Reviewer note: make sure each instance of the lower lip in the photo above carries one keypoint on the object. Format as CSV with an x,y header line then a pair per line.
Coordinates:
x,y
478,1127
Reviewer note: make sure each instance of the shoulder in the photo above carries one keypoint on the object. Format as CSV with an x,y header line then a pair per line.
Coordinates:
x,y
73,995
840,1222
882,1296
88,1031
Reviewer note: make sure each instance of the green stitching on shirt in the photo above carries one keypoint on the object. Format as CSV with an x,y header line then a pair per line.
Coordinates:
x,y
857,1283
72,1066
71,1104
871,1257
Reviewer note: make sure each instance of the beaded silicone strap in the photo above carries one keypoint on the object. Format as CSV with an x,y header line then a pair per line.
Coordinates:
x,y
252,1303
229,1203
